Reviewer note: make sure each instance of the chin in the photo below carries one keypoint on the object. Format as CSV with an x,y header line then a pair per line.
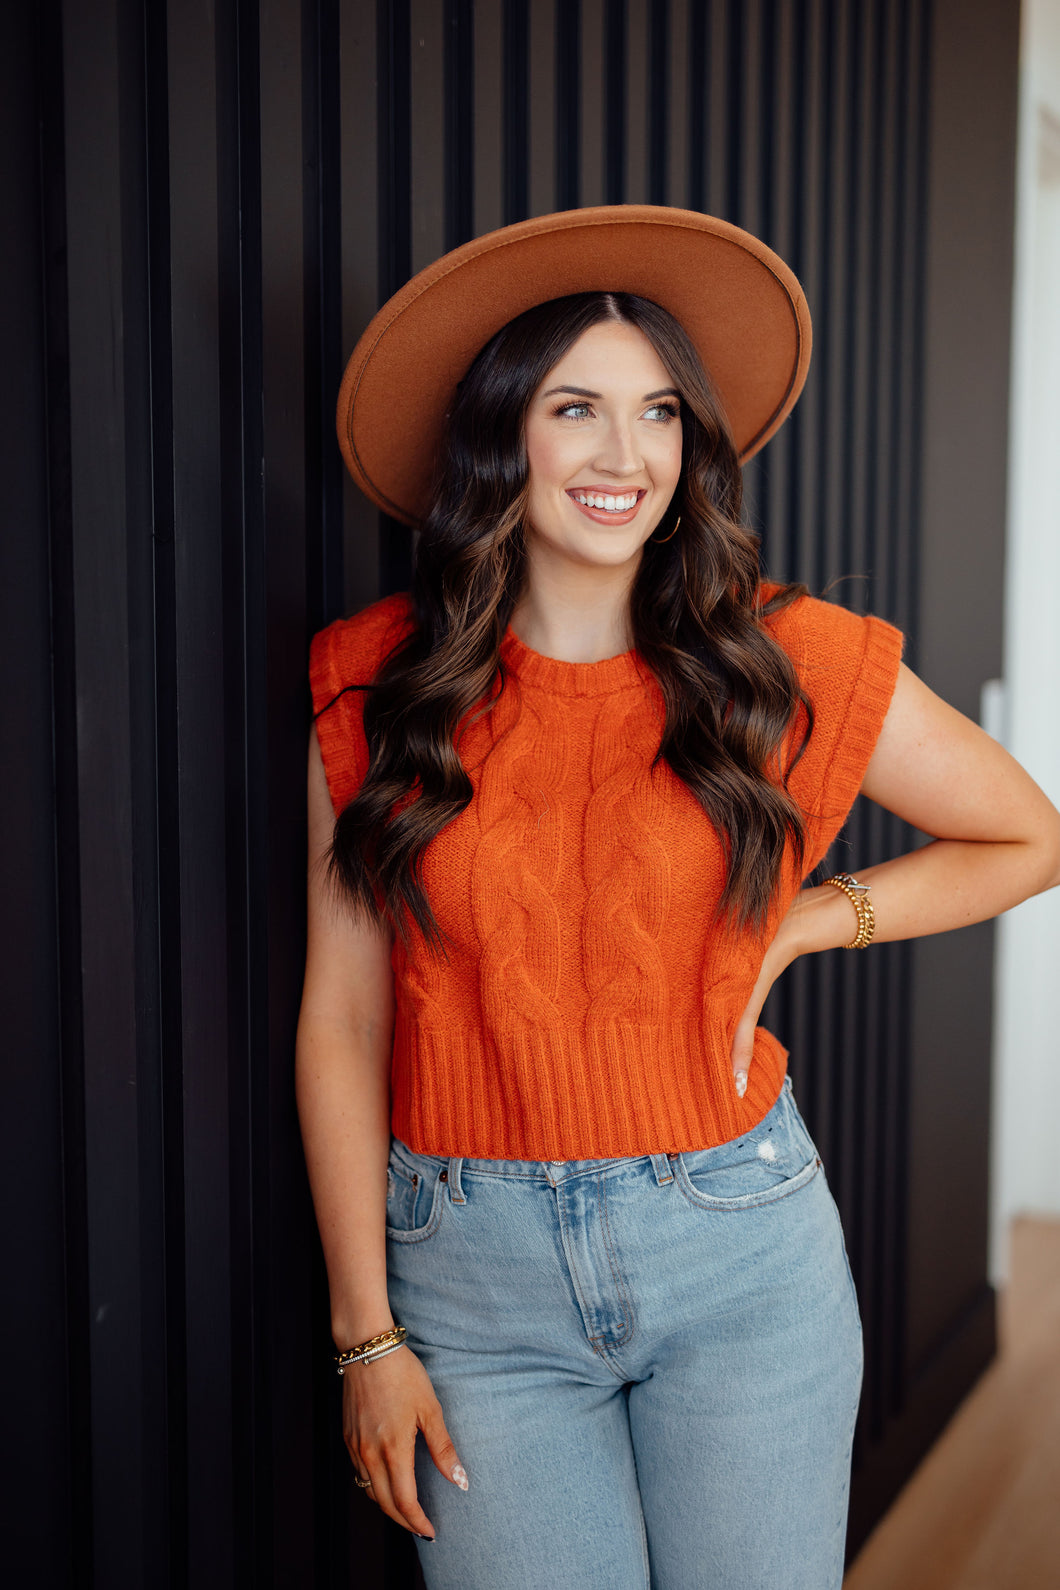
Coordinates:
x,y
608,557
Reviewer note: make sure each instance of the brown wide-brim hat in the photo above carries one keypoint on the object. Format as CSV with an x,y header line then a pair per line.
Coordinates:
x,y
737,300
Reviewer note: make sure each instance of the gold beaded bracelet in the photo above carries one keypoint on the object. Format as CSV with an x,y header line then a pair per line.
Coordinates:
x,y
375,1347
858,895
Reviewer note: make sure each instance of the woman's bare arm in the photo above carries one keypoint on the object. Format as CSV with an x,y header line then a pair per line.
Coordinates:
x,y
997,841
342,1082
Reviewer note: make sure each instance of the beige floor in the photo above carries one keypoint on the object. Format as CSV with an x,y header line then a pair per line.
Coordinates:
x,y
982,1512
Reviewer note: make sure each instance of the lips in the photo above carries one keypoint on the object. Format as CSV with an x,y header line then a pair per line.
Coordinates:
x,y
607,507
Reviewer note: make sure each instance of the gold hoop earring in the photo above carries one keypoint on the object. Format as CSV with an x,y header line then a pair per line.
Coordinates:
x,y
660,539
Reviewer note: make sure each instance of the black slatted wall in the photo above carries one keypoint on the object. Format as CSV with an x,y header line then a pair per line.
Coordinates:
x,y
212,198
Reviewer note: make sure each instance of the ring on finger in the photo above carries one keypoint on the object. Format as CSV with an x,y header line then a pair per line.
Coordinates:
x,y
363,1484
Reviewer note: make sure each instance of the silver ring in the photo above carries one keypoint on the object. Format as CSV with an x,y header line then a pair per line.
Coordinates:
x,y
364,1484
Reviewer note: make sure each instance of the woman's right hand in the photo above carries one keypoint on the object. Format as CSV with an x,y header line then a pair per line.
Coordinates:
x,y
383,1405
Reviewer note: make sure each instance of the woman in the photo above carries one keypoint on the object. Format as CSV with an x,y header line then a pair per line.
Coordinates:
x,y
562,803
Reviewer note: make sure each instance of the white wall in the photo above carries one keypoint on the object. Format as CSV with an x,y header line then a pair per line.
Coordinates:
x,y
1026,1115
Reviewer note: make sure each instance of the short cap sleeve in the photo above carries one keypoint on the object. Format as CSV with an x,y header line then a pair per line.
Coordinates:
x,y
847,664
343,659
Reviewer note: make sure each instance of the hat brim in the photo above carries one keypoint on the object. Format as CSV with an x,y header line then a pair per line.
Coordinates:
x,y
740,304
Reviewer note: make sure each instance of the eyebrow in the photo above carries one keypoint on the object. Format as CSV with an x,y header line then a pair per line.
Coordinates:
x,y
580,391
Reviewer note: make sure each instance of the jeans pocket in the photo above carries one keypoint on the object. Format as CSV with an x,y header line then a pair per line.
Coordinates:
x,y
415,1196
776,1158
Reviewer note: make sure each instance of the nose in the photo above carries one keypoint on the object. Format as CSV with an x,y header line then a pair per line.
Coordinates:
x,y
618,453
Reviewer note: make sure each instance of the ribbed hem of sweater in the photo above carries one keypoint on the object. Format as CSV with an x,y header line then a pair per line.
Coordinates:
x,y
562,1095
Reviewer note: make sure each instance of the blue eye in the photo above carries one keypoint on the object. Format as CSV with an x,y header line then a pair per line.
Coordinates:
x,y
572,411
664,412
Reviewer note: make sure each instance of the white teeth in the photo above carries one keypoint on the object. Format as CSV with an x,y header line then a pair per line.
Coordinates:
x,y
607,503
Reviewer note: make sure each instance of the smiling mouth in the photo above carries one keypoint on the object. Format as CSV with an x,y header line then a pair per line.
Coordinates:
x,y
602,502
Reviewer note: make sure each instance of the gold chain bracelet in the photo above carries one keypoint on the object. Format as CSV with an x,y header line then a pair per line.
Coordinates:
x,y
375,1347
858,895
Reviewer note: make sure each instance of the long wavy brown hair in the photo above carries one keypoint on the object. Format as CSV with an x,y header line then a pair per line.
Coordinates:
x,y
732,698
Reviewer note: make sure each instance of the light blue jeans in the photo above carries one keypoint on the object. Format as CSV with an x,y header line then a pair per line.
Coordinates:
x,y
650,1367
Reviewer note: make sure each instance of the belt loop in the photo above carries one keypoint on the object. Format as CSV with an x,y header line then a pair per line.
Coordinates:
x,y
456,1191
660,1164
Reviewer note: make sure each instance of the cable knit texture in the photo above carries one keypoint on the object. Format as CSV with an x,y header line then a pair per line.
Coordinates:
x,y
588,1005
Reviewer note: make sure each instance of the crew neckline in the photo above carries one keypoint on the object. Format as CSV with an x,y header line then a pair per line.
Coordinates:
x,y
626,671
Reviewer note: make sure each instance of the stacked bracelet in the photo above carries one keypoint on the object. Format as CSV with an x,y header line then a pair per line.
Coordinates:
x,y
858,895
375,1347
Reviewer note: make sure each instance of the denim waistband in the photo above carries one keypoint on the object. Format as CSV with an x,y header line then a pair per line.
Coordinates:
x,y
553,1171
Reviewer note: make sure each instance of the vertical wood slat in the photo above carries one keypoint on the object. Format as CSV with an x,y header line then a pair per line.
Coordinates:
x,y
783,155
488,120
914,34
393,202
394,170
543,117
321,228
873,828
615,134
658,128
359,218
458,143
164,1072
275,724
637,54
698,96
677,107
49,1410
568,52
735,112
126,1479
516,110
591,92
749,177
235,598
846,1079
440,189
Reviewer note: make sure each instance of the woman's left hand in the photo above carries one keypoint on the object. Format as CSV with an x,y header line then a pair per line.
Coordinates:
x,y
778,957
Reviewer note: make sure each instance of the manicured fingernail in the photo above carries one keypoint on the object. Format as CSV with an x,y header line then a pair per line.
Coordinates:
x,y
428,1538
741,1083
459,1477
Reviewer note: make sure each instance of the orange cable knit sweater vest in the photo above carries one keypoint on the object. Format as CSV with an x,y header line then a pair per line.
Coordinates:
x,y
589,1001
